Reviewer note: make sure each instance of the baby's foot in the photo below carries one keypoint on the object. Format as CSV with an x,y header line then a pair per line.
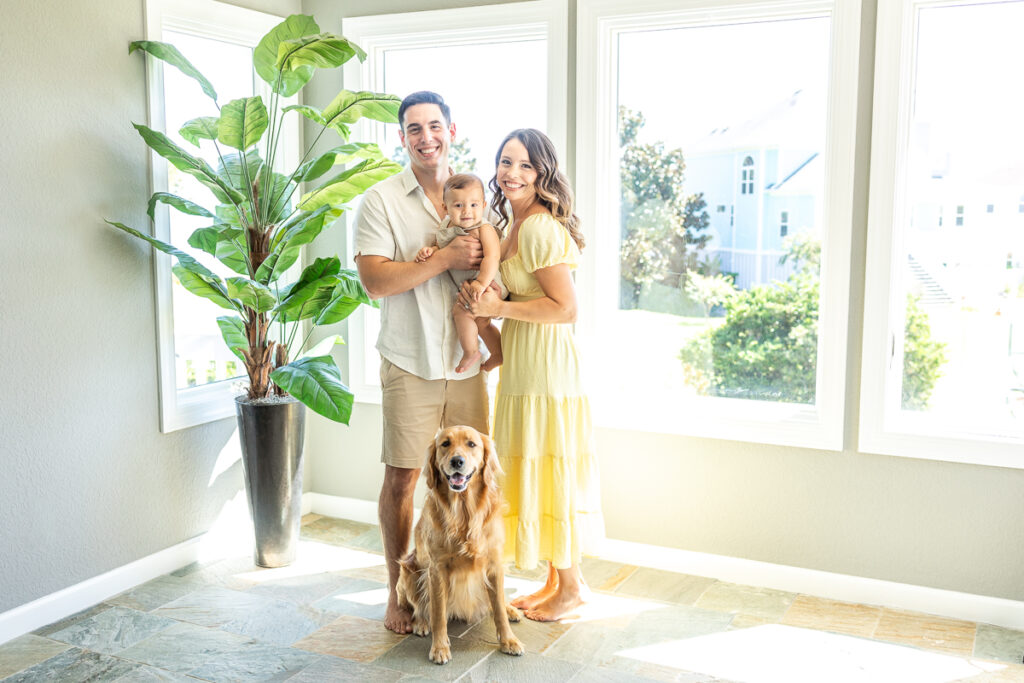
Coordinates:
x,y
469,359
492,362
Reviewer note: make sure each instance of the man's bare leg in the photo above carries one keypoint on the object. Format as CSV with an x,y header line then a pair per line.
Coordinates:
x,y
395,510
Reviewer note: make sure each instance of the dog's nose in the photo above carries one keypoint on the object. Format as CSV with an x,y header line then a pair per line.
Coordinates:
x,y
457,462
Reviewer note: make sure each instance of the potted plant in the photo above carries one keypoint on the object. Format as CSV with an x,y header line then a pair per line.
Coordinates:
x,y
257,232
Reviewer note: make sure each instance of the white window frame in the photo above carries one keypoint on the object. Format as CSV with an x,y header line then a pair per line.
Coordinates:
x,y
182,408
911,435
599,22
547,19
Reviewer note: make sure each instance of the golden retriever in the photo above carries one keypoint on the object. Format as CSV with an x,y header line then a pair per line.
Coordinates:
x,y
455,570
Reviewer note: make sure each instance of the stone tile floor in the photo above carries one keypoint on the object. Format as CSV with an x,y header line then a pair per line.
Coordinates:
x,y
321,620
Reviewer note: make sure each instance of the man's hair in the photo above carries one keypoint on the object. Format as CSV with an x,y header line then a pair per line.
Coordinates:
x,y
460,181
423,97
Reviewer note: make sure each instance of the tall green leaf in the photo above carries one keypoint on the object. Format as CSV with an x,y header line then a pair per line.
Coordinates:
x,y
242,122
254,295
264,57
349,107
233,331
311,291
170,54
207,238
179,203
231,168
323,50
349,184
337,308
311,113
184,259
311,170
185,162
202,286
202,128
317,383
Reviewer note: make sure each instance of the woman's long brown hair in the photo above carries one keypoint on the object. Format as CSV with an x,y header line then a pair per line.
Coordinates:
x,y
552,186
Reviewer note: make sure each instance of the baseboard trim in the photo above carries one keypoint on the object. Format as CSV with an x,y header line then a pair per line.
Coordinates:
x,y
65,602
843,587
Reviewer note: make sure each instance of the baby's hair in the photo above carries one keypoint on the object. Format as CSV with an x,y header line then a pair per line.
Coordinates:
x,y
460,181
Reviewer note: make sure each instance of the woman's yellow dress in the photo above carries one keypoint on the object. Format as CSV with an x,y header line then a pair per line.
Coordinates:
x,y
542,426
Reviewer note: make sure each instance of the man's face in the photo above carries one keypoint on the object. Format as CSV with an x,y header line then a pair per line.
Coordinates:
x,y
425,135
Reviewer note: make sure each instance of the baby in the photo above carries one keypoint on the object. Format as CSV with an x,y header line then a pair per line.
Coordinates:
x,y
464,202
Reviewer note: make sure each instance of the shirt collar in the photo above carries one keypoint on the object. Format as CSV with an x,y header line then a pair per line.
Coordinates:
x,y
409,182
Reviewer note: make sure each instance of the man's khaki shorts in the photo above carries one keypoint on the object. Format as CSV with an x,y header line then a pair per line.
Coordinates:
x,y
415,408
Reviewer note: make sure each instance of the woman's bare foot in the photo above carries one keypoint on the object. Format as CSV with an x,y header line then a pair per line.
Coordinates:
x,y
468,360
492,362
557,606
397,619
530,601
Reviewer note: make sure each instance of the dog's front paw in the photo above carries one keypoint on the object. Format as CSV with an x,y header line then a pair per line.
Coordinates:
x,y
514,614
440,653
512,646
420,627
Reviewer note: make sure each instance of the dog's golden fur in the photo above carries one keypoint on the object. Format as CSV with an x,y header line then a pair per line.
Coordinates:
x,y
455,570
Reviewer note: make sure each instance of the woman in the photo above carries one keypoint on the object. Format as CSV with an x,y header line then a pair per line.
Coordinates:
x,y
542,425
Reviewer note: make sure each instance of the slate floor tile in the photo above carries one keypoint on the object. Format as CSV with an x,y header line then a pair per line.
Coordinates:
x,y
75,666
113,630
26,651
184,647
354,638
254,662
1001,644
656,584
411,656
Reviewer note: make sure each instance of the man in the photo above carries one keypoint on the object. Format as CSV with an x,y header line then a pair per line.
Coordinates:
x,y
418,342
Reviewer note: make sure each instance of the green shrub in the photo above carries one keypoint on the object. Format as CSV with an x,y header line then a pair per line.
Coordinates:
x,y
923,358
767,347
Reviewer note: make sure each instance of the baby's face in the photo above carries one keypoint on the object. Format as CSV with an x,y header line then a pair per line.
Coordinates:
x,y
465,205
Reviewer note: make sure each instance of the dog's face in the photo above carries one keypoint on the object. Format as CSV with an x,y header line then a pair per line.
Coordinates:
x,y
457,455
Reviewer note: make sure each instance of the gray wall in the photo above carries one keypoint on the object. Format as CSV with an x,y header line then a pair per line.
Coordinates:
x,y
929,523
90,483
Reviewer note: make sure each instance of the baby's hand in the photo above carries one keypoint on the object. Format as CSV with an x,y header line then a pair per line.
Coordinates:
x,y
424,254
477,289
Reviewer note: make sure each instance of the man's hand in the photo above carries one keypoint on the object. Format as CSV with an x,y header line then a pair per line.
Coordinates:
x,y
464,253
424,254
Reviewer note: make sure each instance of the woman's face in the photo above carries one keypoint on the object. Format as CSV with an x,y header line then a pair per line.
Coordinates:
x,y
516,174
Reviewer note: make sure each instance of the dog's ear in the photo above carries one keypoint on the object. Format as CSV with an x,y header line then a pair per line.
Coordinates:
x,y
492,468
433,476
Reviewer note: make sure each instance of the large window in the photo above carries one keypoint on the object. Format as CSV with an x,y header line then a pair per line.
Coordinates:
x,y
468,52
943,371
711,324
196,368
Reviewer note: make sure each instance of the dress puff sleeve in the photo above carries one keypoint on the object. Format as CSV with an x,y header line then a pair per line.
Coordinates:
x,y
545,242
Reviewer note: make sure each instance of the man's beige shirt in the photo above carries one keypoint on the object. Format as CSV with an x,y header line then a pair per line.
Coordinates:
x,y
417,331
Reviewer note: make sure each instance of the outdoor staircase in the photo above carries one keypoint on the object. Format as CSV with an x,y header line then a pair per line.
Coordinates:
x,y
931,291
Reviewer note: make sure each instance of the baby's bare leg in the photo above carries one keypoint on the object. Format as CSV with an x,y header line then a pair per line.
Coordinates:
x,y
489,332
465,325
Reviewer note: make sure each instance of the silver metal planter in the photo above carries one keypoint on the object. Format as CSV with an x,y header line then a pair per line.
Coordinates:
x,y
271,435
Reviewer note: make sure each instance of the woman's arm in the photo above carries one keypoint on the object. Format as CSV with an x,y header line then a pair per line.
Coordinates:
x,y
558,305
